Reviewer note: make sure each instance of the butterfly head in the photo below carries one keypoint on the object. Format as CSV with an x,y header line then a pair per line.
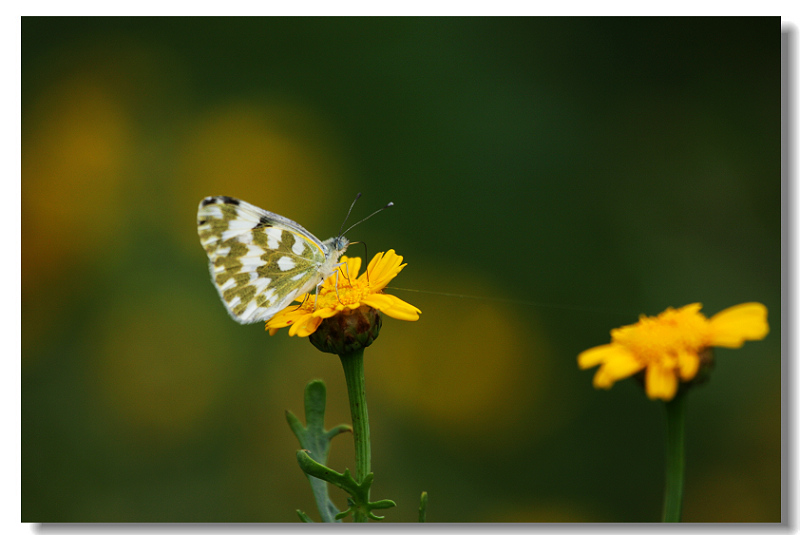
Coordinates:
x,y
336,246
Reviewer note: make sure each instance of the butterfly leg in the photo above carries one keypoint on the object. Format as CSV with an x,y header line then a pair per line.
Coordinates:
x,y
336,283
347,274
303,302
316,293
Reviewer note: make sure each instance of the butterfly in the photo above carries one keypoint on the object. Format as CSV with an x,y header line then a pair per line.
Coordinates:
x,y
260,261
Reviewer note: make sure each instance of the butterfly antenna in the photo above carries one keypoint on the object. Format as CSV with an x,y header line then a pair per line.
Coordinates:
x,y
358,196
366,257
370,215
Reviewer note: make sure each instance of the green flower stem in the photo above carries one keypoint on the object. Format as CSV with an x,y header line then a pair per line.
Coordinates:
x,y
353,364
673,493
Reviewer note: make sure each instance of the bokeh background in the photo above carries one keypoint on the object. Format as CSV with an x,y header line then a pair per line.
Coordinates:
x,y
570,173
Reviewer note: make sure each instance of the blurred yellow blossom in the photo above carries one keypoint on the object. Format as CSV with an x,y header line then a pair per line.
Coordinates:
x,y
672,345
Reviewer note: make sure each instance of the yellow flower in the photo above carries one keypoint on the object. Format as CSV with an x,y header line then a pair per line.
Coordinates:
x,y
347,294
672,345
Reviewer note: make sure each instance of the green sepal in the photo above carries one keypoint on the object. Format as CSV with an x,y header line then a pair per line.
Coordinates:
x,y
359,492
316,440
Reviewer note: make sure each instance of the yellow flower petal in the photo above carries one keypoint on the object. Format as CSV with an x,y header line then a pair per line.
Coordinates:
x,y
383,268
393,306
323,313
618,365
660,382
295,326
602,380
597,355
286,317
351,268
688,364
305,327
734,325
309,327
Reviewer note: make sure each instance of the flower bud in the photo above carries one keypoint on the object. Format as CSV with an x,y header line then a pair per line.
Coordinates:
x,y
347,331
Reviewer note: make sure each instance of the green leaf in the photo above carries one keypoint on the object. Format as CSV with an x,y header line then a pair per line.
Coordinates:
x,y
304,517
423,506
316,440
359,492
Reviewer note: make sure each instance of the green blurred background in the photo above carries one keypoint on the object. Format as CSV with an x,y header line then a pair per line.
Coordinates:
x,y
588,169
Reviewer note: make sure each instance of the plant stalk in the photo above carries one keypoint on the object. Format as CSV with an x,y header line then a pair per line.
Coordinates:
x,y
673,492
353,365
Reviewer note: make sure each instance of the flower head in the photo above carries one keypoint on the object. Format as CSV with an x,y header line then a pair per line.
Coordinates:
x,y
345,293
673,346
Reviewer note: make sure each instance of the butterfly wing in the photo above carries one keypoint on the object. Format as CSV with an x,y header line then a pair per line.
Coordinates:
x,y
259,261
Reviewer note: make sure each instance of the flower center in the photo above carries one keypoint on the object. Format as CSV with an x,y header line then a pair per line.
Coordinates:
x,y
343,293
664,337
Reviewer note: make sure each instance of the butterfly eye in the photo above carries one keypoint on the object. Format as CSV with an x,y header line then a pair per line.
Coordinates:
x,y
340,243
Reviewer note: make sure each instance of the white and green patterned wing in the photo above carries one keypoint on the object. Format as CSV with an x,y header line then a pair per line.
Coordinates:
x,y
259,261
